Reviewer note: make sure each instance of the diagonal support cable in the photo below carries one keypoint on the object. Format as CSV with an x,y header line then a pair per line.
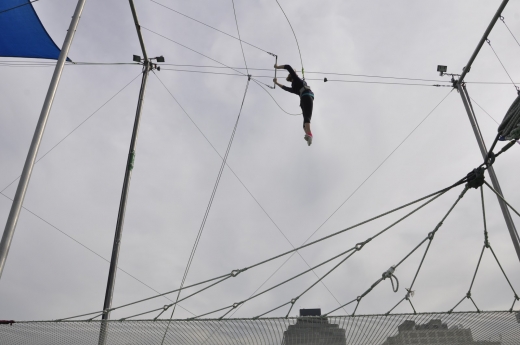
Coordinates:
x,y
389,273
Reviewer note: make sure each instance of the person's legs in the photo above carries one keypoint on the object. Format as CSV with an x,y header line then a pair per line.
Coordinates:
x,y
306,104
307,128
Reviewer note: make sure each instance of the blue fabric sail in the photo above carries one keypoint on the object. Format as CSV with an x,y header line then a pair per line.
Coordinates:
x,y
22,33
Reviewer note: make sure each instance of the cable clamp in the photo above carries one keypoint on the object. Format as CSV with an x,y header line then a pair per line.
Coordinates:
x,y
434,231
409,293
235,305
249,77
490,159
389,273
234,273
476,177
294,300
360,245
468,295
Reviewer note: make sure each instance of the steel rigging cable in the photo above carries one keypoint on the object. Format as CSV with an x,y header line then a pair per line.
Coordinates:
x,y
212,197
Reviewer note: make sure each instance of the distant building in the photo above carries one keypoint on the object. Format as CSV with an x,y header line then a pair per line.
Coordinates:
x,y
433,332
311,329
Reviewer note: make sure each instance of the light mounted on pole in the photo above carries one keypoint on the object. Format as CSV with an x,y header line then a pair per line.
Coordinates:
x,y
441,69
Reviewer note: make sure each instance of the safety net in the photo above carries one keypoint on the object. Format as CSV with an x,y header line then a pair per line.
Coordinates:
x,y
22,33
483,328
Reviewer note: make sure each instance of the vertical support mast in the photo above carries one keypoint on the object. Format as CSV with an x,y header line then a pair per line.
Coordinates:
x,y
23,184
147,66
494,180
473,120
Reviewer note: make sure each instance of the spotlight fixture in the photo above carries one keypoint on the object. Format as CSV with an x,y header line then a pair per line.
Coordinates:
x,y
442,69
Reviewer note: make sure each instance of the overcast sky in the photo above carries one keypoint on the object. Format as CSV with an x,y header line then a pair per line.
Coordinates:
x,y
77,186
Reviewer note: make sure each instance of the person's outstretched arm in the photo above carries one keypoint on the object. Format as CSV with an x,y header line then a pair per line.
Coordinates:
x,y
289,69
281,85
288,89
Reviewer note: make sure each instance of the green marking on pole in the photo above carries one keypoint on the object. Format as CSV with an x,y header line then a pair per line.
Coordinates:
x,y
131,160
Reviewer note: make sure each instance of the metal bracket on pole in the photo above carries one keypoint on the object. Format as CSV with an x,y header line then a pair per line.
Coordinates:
x,y
23,184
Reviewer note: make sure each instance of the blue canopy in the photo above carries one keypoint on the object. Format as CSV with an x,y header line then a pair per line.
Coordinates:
x,y
22,33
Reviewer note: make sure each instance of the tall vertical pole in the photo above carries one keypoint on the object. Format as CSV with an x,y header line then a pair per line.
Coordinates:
x,y
494,180
126,187
459,84
23,184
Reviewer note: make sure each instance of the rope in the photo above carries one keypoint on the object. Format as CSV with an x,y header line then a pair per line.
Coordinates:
x,y
504,67
75,128
239,38
336,73
354,192
190,49
355,249
501,197
236,272
226,66
390,272
379,166
274,100
503,21
211,27
486,245
409,291
491,117
242,183
210,203
297,44
91,250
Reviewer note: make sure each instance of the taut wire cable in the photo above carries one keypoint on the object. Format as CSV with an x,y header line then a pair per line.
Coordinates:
x,y
296,38
210,203
75,128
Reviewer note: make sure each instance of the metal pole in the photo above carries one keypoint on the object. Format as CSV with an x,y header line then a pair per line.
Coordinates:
x,y
126,186
480,140
23,184
494,180
482,41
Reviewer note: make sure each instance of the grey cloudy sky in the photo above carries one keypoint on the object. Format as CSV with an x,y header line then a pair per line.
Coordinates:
x,y
356,126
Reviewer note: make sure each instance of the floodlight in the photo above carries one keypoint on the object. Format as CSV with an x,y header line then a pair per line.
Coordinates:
x,y
137,58
160,58
442,69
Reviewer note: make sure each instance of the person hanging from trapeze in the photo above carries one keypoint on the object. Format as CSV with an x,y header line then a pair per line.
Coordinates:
x,y
300,88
